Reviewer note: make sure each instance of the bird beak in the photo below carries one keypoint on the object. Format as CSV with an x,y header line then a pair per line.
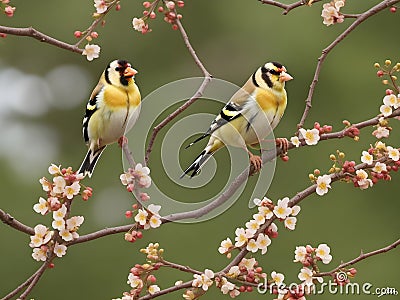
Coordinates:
x,y
130,72
285,77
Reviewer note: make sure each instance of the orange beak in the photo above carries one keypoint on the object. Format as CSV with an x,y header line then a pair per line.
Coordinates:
x,y
130,72
285,77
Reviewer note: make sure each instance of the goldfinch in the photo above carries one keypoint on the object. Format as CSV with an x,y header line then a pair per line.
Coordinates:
x,y
250,115
112,110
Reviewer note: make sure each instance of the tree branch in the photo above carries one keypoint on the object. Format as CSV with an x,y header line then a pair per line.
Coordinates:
x,y
10,221
30,282
360,19
287,7
196,96
32,32
361,257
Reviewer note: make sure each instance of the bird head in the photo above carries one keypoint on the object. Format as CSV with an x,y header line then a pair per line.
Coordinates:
x,y
272,75
119,72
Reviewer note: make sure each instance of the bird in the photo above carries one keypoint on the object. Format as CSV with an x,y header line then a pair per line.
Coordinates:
x,y
249,116
112,110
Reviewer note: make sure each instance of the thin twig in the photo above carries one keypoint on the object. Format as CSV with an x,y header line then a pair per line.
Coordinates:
x,y
287,7
168,290
30,282
360,19
178,267
196,96
11,221
96,22
361,257
32,32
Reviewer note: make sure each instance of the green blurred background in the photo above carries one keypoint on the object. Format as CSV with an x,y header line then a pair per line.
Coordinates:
x,y
43,90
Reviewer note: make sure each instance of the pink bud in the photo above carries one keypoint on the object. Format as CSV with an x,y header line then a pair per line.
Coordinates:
x,y
317,125
9,11
118,7
389,92
151,278
146,4
170,5
139,234
379,73
144,196
285,158
128,214
393,9
3,35
77,34
160,9
130,187
353,271
94,35
174,27
181,4
152,15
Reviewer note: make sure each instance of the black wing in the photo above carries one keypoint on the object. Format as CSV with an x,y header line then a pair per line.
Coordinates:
x,y
230,112
91,108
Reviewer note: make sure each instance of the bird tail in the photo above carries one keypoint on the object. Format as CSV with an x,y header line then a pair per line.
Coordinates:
x,y
90,161
198,139
199,162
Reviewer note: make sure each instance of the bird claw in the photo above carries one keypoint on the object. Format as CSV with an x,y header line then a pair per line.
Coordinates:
x,y
256,161
122,141
283,144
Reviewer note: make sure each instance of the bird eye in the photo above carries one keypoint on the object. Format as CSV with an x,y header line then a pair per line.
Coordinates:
x,y
117,69
274,72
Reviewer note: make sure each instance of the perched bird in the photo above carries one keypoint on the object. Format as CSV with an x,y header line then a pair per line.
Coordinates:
x,y
250,115
112,110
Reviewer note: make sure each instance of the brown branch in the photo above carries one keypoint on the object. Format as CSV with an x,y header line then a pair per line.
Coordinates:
x,y
30,282
196,96
96,22
361,257
100,233
10,221
300,196
32,32
178,267
168,290
287,7
360,19
36,278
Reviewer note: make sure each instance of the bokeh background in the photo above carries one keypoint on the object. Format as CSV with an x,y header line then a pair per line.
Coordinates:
x,y
43,91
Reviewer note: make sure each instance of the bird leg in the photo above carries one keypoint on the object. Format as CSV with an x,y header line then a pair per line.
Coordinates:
x,y
283,144
122,141
255,160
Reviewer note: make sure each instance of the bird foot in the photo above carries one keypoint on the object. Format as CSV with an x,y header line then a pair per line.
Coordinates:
x,y
122,141
256,161
283,144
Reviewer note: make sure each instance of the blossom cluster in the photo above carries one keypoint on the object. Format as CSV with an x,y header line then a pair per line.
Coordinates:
x,y
141,277
146,218
379,161
246,274
331,12
92,51
168,8
64,186
253,237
